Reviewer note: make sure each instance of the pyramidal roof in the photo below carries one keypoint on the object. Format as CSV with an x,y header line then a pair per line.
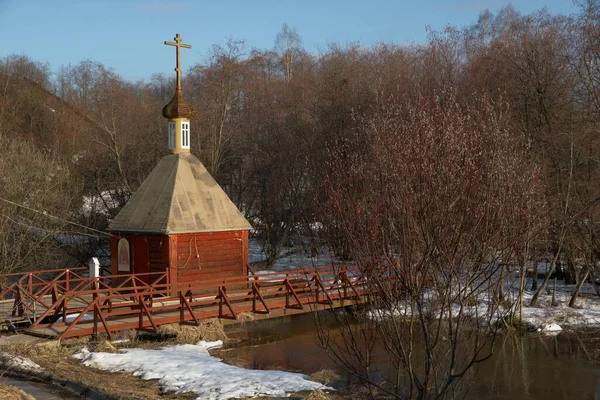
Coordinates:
x,y
179,196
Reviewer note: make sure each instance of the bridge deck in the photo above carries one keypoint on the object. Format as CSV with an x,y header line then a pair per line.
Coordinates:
x,y
111,304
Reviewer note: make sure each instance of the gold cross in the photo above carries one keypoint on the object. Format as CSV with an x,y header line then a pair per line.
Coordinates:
x,y
178,45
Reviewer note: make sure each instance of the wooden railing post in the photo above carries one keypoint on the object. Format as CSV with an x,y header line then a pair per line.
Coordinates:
x,y
141,314
287,290
181,304
253,297
95,317
220,302
54,293
64,308
17,305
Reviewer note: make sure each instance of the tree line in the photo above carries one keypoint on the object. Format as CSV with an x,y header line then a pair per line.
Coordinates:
x,y
438,167
297,138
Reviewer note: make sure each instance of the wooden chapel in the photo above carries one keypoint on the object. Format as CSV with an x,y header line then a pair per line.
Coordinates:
x,y
180,220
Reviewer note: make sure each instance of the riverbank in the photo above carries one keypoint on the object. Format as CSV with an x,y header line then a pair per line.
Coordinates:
x,y
523,366
547,315
153,367
532,366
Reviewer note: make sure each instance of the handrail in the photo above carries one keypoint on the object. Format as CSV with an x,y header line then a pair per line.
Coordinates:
x,y
153,300
44,271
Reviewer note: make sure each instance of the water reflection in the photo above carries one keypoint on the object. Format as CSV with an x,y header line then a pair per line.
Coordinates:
x,y
522,367
534,367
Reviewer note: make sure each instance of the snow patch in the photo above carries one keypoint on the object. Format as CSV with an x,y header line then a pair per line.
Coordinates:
x,y
102,204
72,317
190,368
19,363
550,328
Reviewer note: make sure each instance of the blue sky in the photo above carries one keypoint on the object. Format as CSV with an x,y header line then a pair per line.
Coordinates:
x,y
128,36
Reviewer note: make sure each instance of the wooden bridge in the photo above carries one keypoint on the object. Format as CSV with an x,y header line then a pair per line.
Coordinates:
x,y
64,304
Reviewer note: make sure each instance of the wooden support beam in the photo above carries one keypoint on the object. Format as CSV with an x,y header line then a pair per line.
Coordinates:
x,y
185,302
224,300
317,280
144,308
256,293
101,315
76,321
290,290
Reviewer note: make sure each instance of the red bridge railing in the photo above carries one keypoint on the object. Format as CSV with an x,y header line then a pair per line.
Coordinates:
x,y
73,305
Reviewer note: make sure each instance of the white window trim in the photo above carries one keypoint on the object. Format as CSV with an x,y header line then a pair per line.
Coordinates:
x,y
185,135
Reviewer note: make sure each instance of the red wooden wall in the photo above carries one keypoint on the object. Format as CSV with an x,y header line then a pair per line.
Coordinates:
x,y
148,253
211,255
188,257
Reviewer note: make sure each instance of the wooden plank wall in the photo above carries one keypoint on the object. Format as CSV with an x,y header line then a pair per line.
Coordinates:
x,y
211,255
158,253
139,254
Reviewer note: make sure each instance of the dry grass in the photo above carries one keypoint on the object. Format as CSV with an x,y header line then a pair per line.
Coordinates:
x,y
45,349
57,361
316,395
324,376
102,346
245,317
209,330
8,392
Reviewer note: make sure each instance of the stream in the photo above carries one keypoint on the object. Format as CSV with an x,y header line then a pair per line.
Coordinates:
x,y
523,366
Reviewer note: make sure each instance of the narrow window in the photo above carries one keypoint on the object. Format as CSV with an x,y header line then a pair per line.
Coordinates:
x,y
171,134
185,135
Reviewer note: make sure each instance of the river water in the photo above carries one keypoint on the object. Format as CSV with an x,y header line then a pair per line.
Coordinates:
x,y
522,367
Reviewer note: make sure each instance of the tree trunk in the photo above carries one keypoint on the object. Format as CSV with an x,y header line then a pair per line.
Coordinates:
x,y
535,297
571,276
534,280
579,285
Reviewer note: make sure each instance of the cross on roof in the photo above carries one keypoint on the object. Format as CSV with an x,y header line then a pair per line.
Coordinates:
x,y
178,45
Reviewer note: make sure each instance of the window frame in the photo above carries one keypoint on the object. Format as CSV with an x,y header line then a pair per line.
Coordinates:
x,y
171,135
185,135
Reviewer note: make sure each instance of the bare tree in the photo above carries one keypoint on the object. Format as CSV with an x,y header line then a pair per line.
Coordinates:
x,y
217,93
427,199
36,196
289,46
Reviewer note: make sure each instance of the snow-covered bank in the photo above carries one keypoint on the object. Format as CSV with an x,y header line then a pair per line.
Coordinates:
x,y
297,257
586,314
190,368
19,363
544,317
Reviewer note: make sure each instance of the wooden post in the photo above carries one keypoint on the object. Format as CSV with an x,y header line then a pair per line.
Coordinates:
x,y
181,300
287,290
253,297
95,316
220,303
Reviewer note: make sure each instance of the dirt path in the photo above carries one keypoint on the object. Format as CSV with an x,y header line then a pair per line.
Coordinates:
x,y
41,391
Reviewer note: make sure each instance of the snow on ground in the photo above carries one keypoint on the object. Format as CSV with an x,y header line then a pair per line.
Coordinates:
x,y
544,317
72,317
19,363
295,257
585,314
190,368
101,204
